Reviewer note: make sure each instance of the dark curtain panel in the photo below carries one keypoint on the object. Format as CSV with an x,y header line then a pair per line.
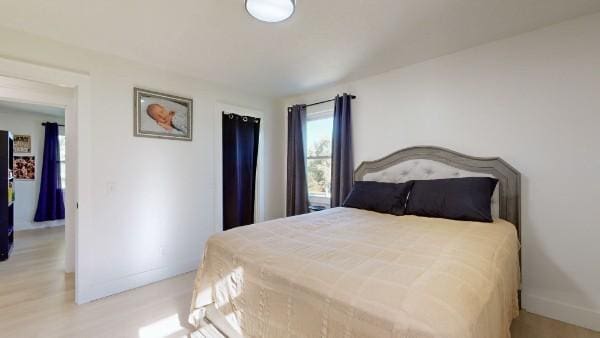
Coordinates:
x,y
342,164
51,205
297,188
240,154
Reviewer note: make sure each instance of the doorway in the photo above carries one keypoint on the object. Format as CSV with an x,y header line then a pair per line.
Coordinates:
x,y
36,168
58,96
259,179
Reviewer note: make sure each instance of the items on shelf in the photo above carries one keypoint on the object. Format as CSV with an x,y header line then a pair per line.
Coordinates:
x,y
11,193
7,183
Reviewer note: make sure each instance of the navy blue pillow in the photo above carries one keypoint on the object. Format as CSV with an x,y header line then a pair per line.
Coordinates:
x,y
387,198
465,199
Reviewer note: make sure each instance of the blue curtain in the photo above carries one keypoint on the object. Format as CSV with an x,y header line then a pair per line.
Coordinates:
x,y
51,205
240,155
342,164
297,187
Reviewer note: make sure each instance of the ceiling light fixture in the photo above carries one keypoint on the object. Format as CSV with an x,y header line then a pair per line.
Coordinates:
x,y
271,10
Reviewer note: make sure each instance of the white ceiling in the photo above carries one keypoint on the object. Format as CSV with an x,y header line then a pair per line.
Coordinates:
x,y
18,107
326,41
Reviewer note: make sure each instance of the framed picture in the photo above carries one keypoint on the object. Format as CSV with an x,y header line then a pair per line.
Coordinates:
x,y
162,115
24,167
22,143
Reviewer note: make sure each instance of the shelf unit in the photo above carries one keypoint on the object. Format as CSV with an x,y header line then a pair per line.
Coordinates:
x,y
7,194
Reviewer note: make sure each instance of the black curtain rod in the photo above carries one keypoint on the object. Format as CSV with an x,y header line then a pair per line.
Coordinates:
x,y
45,123
316,103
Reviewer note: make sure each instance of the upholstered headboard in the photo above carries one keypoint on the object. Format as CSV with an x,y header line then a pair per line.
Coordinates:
x,y
427,162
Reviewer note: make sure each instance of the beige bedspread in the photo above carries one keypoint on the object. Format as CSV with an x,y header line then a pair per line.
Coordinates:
x,y
353,273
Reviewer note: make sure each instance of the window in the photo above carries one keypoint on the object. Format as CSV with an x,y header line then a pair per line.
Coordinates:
x,y
62,158
319,129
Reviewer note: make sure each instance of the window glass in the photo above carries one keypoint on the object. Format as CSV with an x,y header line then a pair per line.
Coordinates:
x,y
318,164
62,154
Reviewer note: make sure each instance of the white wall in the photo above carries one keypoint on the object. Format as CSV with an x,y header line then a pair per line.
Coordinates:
x,y
25,123
153,201
533,100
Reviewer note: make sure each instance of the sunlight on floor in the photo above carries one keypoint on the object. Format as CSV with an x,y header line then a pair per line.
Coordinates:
x,y
166,327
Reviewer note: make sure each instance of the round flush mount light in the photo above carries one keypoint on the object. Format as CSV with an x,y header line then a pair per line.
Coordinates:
x,y
271,10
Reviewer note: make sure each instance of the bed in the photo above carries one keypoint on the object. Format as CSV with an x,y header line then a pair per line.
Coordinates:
x,y
353,273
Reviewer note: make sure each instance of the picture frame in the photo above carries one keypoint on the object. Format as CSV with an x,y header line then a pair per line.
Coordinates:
x,y
24,168
22,144
160,115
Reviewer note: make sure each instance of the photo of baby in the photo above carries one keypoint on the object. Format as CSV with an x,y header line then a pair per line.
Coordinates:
x,y
162,115
24,167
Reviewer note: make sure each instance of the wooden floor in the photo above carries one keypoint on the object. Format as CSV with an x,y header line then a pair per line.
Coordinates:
x,y
37,300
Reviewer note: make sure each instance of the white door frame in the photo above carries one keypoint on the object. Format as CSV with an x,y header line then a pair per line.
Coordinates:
x,y
259,201
78,135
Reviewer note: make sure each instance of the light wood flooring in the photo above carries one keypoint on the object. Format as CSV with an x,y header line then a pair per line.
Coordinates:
x,y
37,300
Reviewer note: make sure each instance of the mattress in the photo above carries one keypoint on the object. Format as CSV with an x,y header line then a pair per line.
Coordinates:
x,y
353,273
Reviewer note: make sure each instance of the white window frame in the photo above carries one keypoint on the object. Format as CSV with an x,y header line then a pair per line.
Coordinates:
x,y
318,200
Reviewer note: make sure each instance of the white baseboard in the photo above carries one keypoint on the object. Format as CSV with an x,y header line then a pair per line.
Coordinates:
x,y
97,291
39,225
568,313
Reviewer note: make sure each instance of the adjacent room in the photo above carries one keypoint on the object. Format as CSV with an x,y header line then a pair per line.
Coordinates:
x,y
287,168
29,125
